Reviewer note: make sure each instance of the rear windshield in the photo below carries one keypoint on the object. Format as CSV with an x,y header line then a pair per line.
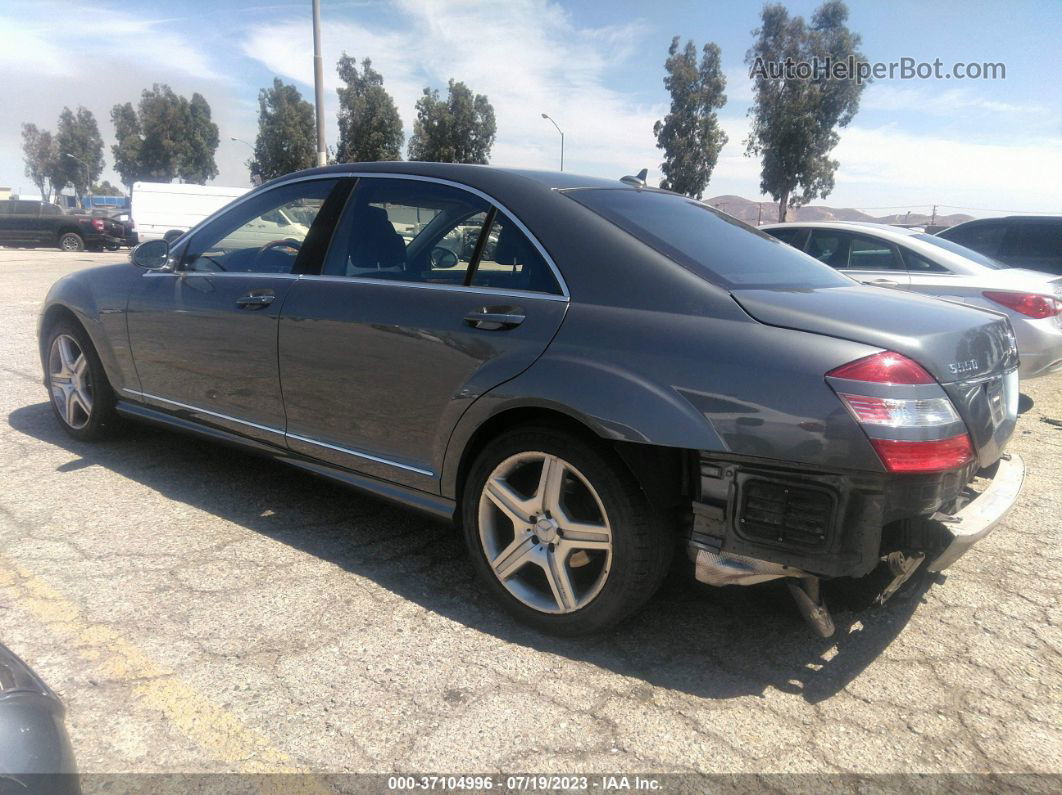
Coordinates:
x,y
711,243
955,248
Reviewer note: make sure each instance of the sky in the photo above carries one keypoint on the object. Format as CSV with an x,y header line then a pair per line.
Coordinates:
x,y
974,146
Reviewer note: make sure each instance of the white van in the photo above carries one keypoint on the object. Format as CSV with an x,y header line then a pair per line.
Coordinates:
x,y
161,207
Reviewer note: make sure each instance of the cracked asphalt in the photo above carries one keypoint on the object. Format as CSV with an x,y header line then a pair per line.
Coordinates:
x,y
200,609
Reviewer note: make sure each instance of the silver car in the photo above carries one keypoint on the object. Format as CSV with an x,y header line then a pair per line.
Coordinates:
x,y
908,259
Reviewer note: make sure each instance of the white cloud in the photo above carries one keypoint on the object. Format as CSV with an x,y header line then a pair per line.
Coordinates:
x,y
550,65
925,99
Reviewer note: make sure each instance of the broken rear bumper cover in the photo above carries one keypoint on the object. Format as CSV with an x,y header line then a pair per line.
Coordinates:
x,y
719,566
980,516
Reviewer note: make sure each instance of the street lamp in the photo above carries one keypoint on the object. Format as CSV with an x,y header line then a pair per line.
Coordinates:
x,y
245,143
88,178
550,119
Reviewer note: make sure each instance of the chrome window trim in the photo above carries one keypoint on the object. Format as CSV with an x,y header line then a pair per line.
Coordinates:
x,y
205,411
414,177
366,456
277,431
457,288
253,274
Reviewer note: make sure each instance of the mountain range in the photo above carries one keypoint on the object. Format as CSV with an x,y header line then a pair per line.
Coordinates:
x,y
767,212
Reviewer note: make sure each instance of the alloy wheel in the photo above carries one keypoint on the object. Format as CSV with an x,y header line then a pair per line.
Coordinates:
x,y
544,532
70,381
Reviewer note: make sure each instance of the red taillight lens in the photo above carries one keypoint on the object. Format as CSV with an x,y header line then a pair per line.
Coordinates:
x,y
97,224
1029,304
922,409
935,456
886,367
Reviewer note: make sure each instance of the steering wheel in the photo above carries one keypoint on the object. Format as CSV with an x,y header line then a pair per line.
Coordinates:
x,y
286,242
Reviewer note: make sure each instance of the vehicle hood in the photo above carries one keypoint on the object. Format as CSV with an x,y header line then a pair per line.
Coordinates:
x,y
953,342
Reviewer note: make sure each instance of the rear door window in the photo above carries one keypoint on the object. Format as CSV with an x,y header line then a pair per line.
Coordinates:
x,y
510,261
986,238
407,230
796,237
871,254
1041,240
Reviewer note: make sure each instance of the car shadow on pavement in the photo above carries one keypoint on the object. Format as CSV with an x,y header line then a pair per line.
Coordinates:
x,y
714,643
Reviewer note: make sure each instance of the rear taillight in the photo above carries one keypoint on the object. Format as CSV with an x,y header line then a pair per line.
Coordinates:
x,y
97,224
1028,304
911,423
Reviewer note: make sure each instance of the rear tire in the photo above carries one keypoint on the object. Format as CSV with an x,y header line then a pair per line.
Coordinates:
x,y
81,397
71,241
571,552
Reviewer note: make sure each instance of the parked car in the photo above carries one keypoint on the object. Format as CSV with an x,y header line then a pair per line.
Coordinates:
x,y
632,373
35,751
37,223
164,210
1018,241
911,260
124,217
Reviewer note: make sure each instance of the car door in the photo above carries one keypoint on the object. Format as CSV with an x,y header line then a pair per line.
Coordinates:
x,y
204,335
429,296
865,258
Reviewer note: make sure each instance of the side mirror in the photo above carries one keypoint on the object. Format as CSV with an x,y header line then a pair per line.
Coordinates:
x,y
443,258
153,255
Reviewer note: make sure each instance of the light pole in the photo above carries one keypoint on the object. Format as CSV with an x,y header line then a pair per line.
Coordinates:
x,y
550,119
318,84
88,178
245,143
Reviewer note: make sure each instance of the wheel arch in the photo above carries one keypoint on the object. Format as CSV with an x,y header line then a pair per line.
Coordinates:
x,y
662,472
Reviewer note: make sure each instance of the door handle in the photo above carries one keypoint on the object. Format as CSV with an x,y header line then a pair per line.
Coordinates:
x,y
884,282
495,318
255,300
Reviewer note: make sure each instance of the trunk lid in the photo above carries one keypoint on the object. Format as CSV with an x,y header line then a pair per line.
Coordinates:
x,y
970,351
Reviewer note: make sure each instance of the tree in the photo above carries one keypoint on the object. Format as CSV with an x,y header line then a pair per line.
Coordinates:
x,y
795,116
80,148
369,125
690,134
287,137
43,166
166,136
459,129
129,140
105,188
196,161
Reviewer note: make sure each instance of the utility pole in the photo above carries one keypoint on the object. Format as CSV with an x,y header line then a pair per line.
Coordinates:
x,y
759,213
318,83
933,220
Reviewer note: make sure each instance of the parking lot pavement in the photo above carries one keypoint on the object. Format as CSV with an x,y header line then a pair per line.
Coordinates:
x,y
200,609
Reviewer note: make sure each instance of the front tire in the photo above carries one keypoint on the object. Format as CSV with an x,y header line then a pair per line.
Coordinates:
x,y
561,533
81,397
71,241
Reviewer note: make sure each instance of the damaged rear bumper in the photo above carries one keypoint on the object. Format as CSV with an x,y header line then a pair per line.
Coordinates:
x,y
981,515
720,566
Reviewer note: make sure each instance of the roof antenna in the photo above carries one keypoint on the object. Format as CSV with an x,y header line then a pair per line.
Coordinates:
x,y
638,180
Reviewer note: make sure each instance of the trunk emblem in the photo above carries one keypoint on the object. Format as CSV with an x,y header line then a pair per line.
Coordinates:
x,y
967,366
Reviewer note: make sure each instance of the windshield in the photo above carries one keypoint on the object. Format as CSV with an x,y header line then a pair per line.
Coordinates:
x,y
955,248
711,243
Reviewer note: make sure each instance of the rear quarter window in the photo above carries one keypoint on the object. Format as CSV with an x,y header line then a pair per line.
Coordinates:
x,y
718,247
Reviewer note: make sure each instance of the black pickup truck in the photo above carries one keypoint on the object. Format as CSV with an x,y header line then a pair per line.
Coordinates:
x,y
35,223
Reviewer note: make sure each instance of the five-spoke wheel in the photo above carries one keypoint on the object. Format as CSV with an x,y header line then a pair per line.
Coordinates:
x,y
70,381
561,531
82,397
545,532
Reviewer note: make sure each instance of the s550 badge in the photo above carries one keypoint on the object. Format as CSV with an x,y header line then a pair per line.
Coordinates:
x,y
968,366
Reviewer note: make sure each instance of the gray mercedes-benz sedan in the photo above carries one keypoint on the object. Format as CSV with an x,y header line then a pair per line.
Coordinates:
x,y
586,375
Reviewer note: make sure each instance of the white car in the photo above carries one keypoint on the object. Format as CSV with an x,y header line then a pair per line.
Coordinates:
x,y
907,259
